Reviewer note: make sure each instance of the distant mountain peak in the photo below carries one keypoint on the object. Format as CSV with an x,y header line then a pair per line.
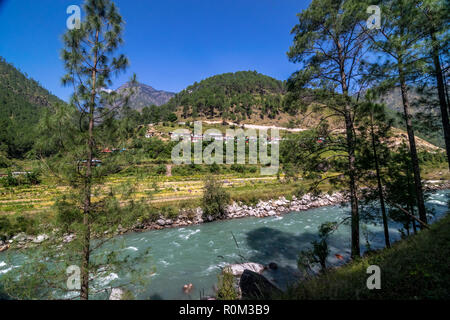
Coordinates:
x,y
146,95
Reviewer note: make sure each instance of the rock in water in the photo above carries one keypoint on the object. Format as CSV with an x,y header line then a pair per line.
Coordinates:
x,y
238,269
116,294
273,266
256,286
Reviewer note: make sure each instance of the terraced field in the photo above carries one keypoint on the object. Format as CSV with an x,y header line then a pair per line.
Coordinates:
x,y
177,191
156,189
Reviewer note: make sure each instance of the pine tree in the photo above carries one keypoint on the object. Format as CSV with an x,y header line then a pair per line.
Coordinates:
x,y
72,137
374,126
329,43
397,40
435,20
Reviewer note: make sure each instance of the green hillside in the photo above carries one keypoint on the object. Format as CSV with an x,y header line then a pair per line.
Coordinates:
x,y
21,103
231,96
252,97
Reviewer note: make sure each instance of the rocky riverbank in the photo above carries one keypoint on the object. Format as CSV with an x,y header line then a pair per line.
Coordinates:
x,y
236,210
187,217
263,209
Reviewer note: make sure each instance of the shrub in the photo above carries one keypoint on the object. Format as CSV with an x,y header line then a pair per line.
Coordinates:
x,y
215,198
4,161
172,117
238,168
226,287
5,228
24,224
170,212
290,172
187,170
33,178
9,181
214,168
161,169
300,191
252,169
153,215
320,251
67,214
30,178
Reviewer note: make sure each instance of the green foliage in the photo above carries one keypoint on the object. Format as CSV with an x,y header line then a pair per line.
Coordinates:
x,y
15,224
67,214
161,169
231,94
300,191
188,170
215,198
4,161
5,227
320,251
26,179
214,168
152,114
22,101
9,181
172,117
239,168
227,287
154,148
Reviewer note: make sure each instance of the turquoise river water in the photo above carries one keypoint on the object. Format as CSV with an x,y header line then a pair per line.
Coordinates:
x,y
197,253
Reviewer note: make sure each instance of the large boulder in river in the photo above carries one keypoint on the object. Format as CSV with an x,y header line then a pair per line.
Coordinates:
x,y
256,286
116,294
238,269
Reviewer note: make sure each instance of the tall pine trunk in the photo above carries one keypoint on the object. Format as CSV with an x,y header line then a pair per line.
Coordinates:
x,y
355,250
84,295
410,205
441,93
412,144
380,188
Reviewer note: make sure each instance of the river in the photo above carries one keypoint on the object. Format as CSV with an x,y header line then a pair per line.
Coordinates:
x,y
197,253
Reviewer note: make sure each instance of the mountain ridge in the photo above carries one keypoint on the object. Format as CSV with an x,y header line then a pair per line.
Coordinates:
x,y
145,95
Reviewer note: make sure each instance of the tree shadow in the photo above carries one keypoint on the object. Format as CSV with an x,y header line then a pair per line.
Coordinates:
x,y
156,296
272,245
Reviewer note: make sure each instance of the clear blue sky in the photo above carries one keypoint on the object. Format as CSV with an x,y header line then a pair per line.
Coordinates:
x,y
170,43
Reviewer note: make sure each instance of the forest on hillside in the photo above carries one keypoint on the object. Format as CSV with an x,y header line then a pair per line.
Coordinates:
x,y
22,102
231,96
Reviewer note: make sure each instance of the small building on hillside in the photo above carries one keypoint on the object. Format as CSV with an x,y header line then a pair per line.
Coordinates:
x,y
151,132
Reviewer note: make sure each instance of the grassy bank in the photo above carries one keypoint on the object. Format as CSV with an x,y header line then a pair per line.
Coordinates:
x,y
415,268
